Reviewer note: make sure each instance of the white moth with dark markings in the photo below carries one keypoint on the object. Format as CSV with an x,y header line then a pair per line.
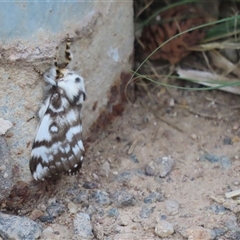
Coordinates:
x,y
58,146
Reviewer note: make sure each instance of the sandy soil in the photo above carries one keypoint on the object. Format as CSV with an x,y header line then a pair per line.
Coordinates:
x,y
189,127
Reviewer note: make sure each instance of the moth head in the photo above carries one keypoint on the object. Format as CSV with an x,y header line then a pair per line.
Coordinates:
x,y
73,86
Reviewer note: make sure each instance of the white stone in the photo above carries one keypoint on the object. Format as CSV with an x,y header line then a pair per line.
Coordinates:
x,y
4,126
72,207
164,229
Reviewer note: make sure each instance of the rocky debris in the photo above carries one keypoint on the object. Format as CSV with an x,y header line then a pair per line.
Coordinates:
x,y
231,222
100,197
230,204
90,185
134,158
55,209
98,231
72,208
82,226
219,232
47,233
56,232
104,169
164,229
123,198
160,167
113,212
210,157
36,214
225,162
154,197
124,176
5,170
146,211
19,228
197,232
124,220
81,196
46,218
217,209
172,207
4,126
95,210
227,141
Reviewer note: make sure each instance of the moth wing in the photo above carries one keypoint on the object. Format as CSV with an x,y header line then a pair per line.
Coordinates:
x,y
58,147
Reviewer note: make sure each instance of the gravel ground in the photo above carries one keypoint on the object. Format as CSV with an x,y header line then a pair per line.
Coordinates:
x,y
160,171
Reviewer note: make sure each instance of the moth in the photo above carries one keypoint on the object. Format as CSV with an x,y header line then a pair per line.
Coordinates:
x,y
58,146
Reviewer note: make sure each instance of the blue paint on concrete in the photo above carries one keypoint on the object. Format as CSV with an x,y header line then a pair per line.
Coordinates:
x,y
25,19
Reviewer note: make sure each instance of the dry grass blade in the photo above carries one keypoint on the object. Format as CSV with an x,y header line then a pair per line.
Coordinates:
x,y
223,63
211,79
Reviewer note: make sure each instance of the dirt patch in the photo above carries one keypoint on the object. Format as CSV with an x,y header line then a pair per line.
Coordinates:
x,y
198,130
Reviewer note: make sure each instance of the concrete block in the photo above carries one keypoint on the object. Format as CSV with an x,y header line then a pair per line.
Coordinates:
x,y
102,47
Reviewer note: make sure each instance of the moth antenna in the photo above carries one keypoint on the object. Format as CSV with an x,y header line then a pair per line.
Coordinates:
x,y
56,68
68,54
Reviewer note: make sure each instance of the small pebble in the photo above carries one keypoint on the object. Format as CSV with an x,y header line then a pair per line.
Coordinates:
x,y
46,218
105,169
231,222
47,233
113,212
91,210
211,158
225,162
235,126
153,197
161,167
172,207
236,183
98,231
36,214
42,207
197,233
164,229
90,185
124,176
227,141
55,209
100,197
217,208
3,168
146,211
81,197
219,231
72,208
124,220
19,228
124,199
150,169
194,136
134,158
165,165
82,226
4,126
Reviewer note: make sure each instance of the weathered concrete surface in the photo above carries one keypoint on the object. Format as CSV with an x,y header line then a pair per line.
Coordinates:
x,y
102,47
5,170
